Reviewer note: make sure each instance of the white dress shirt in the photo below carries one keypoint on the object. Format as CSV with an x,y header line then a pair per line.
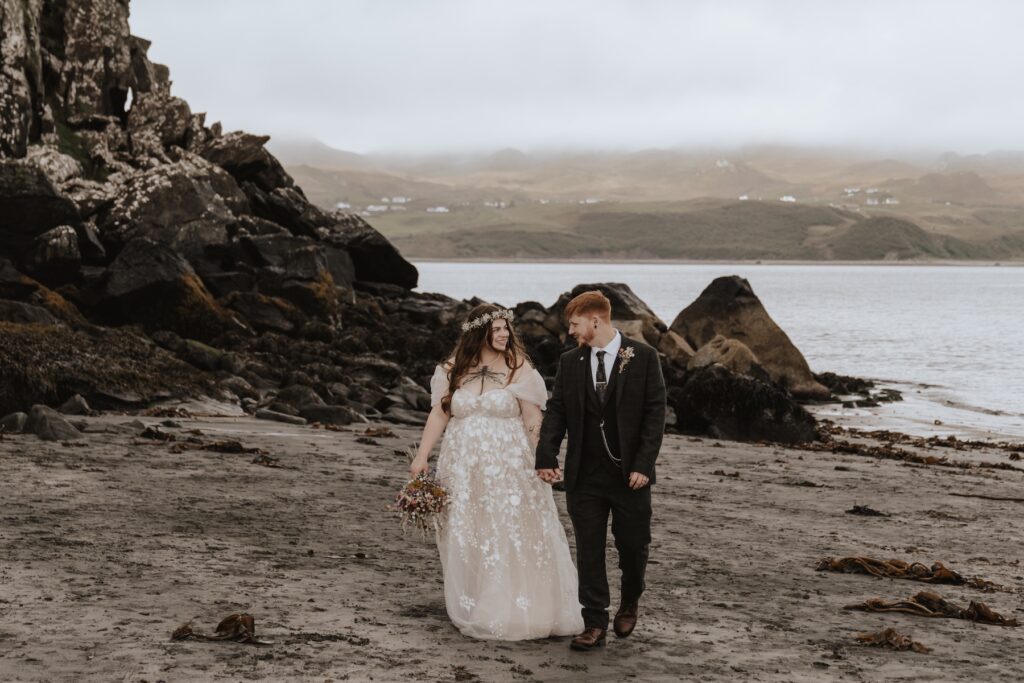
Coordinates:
x,y
609,358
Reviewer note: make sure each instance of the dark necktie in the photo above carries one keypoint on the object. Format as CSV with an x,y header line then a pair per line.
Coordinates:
x,y
602,379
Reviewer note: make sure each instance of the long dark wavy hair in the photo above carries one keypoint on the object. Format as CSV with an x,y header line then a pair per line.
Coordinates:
x,y
472,343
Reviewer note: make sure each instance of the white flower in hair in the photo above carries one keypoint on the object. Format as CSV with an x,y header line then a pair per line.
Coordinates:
x,y
486,318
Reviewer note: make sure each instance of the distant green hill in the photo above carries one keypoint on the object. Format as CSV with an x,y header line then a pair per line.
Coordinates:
x,y
752,203
699,230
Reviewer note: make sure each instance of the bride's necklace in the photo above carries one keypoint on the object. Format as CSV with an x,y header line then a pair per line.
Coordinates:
x,y
485,374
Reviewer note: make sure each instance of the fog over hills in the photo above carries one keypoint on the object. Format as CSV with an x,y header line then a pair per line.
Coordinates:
x,y
764,202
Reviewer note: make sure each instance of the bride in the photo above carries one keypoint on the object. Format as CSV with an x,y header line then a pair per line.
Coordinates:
x,y
508,574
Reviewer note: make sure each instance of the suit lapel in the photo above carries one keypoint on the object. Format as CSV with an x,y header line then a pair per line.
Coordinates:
x,y
620,369
584,377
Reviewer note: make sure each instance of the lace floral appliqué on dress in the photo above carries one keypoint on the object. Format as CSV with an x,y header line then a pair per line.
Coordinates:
x,y
508,573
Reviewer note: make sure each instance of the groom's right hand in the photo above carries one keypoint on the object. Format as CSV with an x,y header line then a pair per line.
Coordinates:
x,y
550,475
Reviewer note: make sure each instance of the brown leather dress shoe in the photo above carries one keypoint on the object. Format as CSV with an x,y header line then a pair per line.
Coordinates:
x,y
625,618
589,639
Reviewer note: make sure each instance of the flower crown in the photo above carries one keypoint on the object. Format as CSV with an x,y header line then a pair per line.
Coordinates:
x,y
486,318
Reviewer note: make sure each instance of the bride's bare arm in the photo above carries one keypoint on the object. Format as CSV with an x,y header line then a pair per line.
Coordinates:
x,y
532,419
432,431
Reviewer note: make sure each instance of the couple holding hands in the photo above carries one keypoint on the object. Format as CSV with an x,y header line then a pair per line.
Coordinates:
x,y
508,572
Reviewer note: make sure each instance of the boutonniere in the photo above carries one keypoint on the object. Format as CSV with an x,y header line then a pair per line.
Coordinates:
x,y
625,355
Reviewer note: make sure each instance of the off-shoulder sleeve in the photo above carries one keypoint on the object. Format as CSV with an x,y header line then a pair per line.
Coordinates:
x,y
438,385
529,386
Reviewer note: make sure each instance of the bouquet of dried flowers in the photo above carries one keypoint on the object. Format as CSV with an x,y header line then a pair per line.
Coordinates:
x,y
420,502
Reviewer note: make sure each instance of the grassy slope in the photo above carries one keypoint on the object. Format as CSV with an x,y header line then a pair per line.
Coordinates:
x,y
659,204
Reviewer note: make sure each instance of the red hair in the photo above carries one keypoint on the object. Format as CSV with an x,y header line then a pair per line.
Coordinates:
x,y
589,303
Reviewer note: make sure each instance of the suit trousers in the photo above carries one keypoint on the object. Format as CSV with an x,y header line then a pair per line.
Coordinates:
x,y
600,491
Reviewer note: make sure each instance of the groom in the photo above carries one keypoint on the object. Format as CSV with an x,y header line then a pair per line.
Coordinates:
x,y
609,395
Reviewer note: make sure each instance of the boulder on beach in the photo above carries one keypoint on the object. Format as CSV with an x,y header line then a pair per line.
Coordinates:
x,y
675,349
48,425
629,312
732,354
729,307
19,312
49,363
726,405
150,283
13,423
76,405
333,415
276,416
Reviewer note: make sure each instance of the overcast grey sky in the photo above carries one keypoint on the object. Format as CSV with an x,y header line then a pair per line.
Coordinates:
x,y
438,75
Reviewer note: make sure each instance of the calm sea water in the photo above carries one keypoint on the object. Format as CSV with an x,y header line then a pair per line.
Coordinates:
x,y
950,337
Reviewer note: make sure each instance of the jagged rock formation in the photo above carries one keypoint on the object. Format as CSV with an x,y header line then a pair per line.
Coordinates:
x,y
729,307
119,206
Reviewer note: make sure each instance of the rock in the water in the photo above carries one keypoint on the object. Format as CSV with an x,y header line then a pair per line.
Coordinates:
x,y
631,329
729,353
725,405
728,306
48,425
76,405
675,348
29,206
265,414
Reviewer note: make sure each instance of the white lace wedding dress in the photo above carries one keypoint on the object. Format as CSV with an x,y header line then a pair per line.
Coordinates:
x,y
508,574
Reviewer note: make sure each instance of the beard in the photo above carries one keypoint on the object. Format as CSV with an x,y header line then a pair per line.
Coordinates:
x,y
584,338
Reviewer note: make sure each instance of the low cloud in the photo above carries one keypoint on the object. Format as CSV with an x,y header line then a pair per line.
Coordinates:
x,y
479,74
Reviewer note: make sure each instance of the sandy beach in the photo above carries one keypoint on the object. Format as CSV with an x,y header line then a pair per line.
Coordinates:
x,y
110,543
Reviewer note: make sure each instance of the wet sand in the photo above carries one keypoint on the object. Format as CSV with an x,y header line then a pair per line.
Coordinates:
x,y
110,543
